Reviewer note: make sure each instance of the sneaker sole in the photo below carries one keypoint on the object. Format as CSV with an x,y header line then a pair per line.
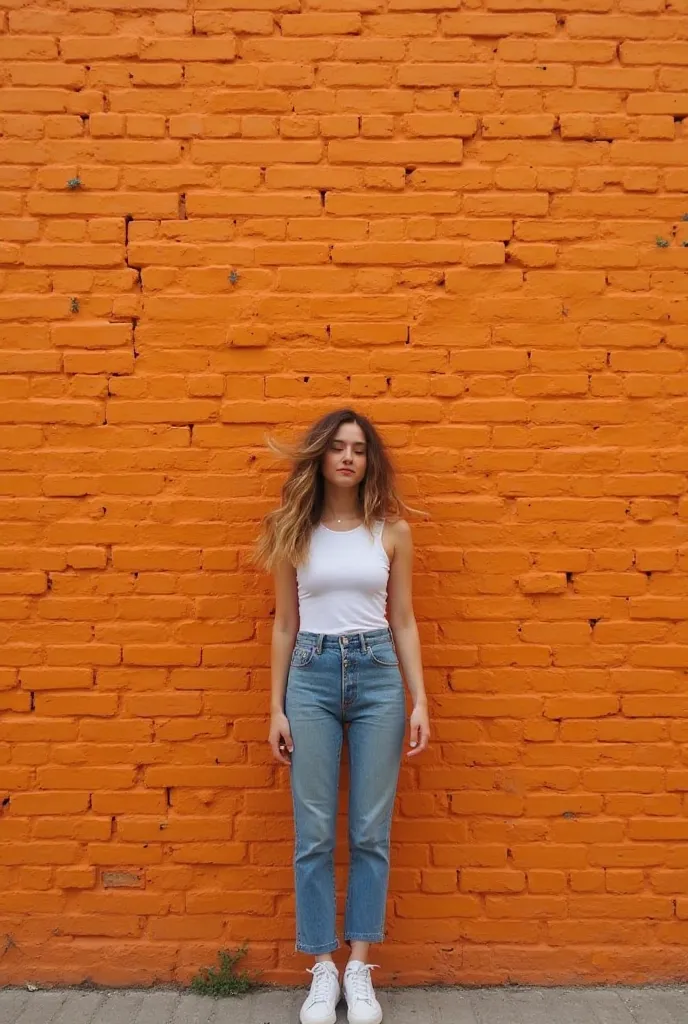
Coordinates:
x,y
364,1020
331,1019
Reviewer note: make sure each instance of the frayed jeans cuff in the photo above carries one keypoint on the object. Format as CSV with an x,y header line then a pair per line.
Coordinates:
x,y
317,950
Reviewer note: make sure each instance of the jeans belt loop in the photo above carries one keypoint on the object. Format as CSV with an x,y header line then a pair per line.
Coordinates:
x,y
362,641
319,643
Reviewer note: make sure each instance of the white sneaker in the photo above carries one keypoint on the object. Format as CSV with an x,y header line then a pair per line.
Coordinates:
x,y
360,995
320,1006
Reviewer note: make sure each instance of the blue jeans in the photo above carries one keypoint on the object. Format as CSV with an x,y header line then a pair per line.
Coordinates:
x,y
351,680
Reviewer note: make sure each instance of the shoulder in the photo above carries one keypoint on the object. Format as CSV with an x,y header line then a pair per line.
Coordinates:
x,y
398,536
398,528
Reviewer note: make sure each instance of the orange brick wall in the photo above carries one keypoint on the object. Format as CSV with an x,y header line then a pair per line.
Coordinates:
x,y
219,217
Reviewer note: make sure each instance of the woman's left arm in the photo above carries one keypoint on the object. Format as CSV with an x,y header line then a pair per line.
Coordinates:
x,y
402,622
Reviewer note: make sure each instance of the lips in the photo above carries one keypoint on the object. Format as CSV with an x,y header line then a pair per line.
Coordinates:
x,y
348,472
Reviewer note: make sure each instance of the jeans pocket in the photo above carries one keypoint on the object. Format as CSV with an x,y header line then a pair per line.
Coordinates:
x,y
384,654
302,656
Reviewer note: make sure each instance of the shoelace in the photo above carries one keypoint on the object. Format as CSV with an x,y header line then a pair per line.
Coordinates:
x,y
361,982
320,983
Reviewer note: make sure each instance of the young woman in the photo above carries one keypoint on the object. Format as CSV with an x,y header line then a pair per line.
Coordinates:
x,y
343,628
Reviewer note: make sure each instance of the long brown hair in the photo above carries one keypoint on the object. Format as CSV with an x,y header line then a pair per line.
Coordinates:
x,y
287,530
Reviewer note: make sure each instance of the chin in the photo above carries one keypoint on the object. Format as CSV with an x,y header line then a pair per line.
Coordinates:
x,y
345,482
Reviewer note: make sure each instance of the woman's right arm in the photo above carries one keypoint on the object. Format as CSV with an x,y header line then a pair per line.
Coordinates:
x,y
284,629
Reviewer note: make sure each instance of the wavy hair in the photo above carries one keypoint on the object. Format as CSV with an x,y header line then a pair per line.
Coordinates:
x,y
286,531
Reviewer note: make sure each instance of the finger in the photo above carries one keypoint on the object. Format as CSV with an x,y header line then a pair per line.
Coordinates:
x,y
422,745
289,743
280,754
415,735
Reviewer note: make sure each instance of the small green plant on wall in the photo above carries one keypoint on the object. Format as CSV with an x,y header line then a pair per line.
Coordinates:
x,y
224,980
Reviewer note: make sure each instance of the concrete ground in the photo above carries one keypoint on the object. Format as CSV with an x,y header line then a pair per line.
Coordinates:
x,y
647,1005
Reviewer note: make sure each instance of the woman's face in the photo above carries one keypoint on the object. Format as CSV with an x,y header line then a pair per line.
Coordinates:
x,y
344,462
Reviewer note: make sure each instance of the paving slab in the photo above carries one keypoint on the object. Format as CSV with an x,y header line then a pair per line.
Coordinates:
x,y
157,1008
656,1006
532,1005
78,1008
12,1002
490,1005
608,1007
193,1009
41,1008
121,1007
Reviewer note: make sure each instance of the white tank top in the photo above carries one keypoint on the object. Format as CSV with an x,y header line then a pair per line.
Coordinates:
x,y
342,585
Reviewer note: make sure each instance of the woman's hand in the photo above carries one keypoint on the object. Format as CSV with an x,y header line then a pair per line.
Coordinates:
x,y
420,729
280,737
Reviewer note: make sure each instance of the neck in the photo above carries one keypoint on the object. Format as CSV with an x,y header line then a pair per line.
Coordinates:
x,y
340,505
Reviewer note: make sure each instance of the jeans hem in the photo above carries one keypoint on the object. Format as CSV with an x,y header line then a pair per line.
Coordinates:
x,y
317,950
365,937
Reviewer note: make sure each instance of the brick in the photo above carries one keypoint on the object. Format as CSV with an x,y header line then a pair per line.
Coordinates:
x,y
400,254
75,878
498,24
517,126
41,255
546,907
517,76
620,26
49,803
403,24
246,151
453,906
622,907
581,707
87,48
615,78
623,780
215,48
646,52
104,704
368,152
440,125
18,47
490,880
433,76
316,24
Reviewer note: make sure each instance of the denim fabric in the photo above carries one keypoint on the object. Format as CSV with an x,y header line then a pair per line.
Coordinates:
x,y
334,682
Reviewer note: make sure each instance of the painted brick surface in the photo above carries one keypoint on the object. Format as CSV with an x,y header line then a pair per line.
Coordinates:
x,y
224,217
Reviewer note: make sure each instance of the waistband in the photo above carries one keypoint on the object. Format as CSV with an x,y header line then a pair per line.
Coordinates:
x,y
360,640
